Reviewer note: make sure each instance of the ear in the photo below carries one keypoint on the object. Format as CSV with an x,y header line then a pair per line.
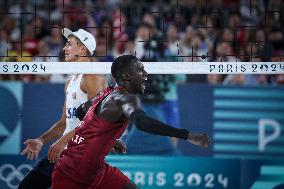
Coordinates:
x,y
82,48
125,76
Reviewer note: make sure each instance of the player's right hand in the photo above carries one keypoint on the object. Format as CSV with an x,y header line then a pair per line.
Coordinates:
x,y
32,149
55,150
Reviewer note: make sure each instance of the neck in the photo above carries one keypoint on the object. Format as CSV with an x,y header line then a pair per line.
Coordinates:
x,y
84,59
124,85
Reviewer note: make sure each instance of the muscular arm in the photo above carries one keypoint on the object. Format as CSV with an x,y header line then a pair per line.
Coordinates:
x,y
150,125
56,131
132,110
34,146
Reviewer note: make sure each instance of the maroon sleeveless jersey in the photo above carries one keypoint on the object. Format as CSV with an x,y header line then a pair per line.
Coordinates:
x,y
83,160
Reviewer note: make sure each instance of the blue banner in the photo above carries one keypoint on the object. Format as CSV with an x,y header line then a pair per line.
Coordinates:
x,y
179,172
11,101
244,122
150,172
147,171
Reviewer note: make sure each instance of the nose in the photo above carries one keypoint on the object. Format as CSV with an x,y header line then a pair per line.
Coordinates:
x,y
64,48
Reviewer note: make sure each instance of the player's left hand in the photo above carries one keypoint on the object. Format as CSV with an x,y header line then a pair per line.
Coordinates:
x,y
201,139
55,150
119,147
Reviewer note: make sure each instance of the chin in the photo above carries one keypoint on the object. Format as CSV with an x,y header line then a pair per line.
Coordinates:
x,y
70,59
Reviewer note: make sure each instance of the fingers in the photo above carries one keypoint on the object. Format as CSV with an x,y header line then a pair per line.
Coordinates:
x,y
27,141
124,150
50,154
119,147
36,155
53,155
24,151
30,155
206,140
202,140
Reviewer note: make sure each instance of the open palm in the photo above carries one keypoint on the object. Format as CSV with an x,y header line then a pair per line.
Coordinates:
x,y
32,149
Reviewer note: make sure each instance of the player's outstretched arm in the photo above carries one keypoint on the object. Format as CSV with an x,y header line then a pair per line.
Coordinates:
x,y
34,146
132,109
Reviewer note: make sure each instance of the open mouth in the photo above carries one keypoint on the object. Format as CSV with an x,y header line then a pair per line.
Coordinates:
x,y
143,84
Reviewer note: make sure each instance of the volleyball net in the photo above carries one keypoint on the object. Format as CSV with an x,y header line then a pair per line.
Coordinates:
x,y
150,67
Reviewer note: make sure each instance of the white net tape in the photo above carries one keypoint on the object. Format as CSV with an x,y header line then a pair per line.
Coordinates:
x,y
150,67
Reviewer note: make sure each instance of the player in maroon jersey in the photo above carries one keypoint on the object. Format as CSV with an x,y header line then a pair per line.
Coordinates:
x,y
82,165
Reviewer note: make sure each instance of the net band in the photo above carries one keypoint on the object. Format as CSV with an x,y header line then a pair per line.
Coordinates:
x,y
150,67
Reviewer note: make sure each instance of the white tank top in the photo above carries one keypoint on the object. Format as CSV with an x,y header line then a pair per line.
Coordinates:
x,y
74,98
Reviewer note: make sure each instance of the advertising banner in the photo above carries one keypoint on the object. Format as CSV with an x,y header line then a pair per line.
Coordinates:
x,y
244,122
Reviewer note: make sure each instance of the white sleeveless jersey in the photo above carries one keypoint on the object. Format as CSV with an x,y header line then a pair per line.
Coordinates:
x,y
74,98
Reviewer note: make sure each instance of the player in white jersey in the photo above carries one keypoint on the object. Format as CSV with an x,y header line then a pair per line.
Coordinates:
x,y
74,98
79,48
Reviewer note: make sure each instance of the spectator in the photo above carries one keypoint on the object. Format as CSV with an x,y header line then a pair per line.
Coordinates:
x,y
197,30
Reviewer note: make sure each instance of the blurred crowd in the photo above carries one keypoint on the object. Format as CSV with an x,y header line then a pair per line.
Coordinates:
x,y
153,30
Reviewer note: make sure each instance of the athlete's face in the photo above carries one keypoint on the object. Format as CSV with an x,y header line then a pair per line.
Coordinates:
x,y
72,50
138,77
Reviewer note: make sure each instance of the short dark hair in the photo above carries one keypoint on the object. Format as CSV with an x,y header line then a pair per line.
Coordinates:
x,y
120,64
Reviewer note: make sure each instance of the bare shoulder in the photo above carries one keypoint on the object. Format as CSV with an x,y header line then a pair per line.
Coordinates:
x,y
93,84
91,78
129,98
130,103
